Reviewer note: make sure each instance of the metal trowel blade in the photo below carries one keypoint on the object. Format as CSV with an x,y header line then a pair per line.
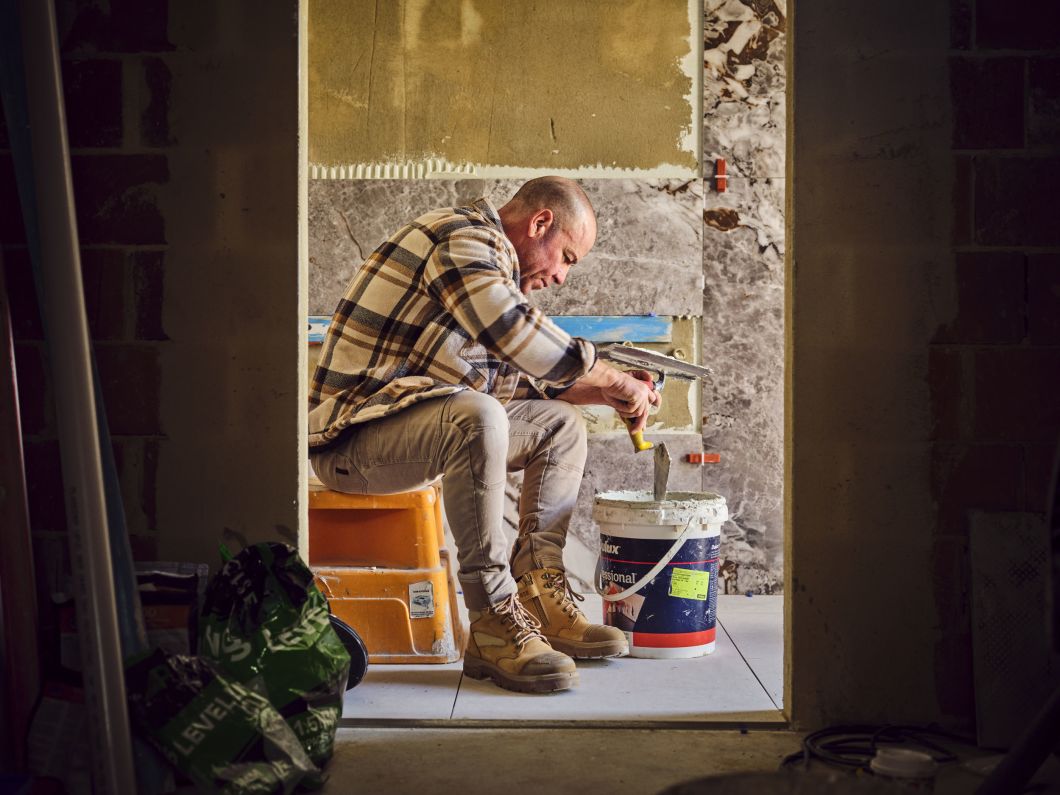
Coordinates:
x,y
662,471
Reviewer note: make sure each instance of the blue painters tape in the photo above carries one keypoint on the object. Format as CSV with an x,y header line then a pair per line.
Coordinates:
x,y
595,328
617,328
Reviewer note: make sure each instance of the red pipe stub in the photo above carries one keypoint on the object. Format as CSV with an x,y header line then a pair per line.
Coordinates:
x,y
703,458
721,180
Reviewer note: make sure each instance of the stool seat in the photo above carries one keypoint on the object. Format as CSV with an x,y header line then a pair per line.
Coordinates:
x,y
381,561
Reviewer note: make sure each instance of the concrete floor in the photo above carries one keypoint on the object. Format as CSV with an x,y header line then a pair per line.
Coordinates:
x,y
556,761
741,682
585,761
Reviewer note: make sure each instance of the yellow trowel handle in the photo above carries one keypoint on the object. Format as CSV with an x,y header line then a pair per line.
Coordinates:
x,y
637,436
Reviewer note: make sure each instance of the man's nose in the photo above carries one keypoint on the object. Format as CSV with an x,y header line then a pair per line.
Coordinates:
x,y
559,277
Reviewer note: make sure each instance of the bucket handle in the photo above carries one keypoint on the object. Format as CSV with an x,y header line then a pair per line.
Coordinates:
x,y
652,573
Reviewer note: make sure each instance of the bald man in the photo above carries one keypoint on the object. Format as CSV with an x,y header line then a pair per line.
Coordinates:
x,y
436,365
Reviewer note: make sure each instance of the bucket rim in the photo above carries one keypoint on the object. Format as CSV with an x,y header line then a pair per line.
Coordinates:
x,y
645,500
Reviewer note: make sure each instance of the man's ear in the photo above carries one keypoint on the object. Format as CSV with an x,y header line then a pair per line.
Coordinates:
x,y
540,222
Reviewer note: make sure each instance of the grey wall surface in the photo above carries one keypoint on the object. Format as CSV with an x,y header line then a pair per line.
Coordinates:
x,y
229,404
744,99
871,216
646,257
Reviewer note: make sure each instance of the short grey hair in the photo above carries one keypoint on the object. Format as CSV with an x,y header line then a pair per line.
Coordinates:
x,y
563,196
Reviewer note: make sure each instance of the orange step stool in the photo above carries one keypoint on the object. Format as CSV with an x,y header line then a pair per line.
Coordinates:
x,y
382,563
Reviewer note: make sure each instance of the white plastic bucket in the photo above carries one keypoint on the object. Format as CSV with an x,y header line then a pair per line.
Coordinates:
x,y
658,570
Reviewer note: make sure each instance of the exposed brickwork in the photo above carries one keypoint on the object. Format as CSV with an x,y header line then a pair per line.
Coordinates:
x,y
116,199
995,364
991,299
963,182
137,463
113,26
103,278
1039,460
25,315
1016,200
93,91
1017,24
116,82
1016,395
129,377
47,511
987,102
947,379
154,119
1043,86
34,390
1043,296
12,231
961,24
975,477
148,276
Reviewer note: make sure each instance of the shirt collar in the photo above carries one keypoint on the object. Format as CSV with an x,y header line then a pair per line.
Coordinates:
x,y
487,209
489,212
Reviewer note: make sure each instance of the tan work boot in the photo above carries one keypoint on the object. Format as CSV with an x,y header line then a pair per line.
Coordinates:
x,y
547,594
505,645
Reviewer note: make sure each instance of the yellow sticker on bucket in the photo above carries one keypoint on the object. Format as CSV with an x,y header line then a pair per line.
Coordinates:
x,y
689,584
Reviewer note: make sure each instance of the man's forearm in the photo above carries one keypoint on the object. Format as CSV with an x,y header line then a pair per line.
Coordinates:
x,y
582,395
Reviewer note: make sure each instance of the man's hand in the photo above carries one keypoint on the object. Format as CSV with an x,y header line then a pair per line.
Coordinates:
x,y
630,394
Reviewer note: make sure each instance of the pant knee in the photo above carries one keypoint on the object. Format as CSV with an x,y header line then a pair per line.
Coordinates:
x,y
481,433
474,412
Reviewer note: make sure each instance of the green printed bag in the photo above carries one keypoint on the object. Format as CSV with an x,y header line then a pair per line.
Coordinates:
x,y
221,735
267,625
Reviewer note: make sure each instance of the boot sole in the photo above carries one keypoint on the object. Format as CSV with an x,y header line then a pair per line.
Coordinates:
x,y
589,651
541,683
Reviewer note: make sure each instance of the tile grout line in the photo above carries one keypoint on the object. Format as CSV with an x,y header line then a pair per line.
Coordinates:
x,y
459,685
754,673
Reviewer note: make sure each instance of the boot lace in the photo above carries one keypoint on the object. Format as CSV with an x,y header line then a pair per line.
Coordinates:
x,y
522,621
561,589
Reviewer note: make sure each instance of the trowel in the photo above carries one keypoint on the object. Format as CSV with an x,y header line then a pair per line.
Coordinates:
x,y
662,471
657,364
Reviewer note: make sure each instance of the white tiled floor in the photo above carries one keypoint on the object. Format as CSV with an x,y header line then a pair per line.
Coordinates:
x,y
744,675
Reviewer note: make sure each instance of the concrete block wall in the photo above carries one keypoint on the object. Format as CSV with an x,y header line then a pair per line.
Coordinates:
x,y
994,363
925,362
183,126
116,85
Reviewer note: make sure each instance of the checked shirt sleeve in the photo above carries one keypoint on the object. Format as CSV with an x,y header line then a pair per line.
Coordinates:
x,y
470,273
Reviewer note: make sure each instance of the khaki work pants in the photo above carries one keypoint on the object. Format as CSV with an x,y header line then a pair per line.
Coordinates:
x,y
472,441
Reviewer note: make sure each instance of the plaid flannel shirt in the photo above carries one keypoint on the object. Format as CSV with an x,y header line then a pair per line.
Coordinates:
x,y
434,310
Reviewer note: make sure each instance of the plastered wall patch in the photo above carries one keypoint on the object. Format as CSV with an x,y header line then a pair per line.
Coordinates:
x,y
419,87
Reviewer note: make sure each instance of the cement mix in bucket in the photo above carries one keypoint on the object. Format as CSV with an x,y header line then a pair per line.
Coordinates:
x,y
658,569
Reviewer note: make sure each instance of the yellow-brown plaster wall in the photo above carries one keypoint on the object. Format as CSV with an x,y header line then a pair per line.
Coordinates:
x,y
559,84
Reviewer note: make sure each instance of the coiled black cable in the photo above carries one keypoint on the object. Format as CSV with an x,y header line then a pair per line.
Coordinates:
x,y
853,746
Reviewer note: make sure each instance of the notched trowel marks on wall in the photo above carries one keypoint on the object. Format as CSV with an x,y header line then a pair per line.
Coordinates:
x,y
465,80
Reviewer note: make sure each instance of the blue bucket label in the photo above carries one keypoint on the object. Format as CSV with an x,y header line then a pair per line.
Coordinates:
x,y
678,607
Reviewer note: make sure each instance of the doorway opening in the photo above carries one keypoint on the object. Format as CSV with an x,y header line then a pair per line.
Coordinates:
x,y
678,243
